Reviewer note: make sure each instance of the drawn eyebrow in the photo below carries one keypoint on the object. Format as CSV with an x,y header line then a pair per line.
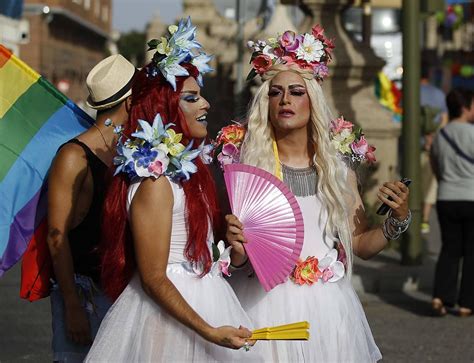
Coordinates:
x,y
291,86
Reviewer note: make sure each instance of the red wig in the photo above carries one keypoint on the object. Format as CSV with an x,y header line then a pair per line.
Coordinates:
x,y
152,95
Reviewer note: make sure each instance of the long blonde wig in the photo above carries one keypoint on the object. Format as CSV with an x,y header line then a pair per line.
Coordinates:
x,y
257,150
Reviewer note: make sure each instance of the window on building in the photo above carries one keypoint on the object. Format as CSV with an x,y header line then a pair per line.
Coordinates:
x,y
87,4
105,13
97,8
77,2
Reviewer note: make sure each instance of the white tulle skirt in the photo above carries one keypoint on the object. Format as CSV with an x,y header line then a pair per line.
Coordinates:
x,y
339,331
136,329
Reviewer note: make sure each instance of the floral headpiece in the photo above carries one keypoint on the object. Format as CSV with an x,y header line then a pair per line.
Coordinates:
x,y
180,46
310,51
156,150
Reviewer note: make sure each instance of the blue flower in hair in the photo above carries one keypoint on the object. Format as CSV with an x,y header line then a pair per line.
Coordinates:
x,y
180,46
184,37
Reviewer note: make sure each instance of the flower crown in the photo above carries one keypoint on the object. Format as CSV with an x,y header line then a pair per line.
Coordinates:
x,y
310,51
155,150
180,46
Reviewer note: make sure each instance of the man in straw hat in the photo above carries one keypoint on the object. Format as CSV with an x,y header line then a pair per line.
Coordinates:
x,y
76,191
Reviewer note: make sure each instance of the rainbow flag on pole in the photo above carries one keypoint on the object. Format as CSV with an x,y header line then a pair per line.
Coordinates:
x,y
35,119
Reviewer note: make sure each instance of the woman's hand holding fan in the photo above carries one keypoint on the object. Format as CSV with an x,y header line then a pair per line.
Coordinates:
x,y
271,219
235,237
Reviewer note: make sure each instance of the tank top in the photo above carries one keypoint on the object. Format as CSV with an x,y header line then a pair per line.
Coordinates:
x,y
84,238
179,226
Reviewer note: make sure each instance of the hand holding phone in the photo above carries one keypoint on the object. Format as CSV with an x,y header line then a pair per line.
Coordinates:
x,y
384,208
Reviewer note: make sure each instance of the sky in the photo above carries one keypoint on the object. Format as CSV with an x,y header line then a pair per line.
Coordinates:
x,y
135,14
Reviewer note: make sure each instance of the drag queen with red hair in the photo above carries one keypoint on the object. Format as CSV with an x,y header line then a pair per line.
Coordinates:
x,y
172,302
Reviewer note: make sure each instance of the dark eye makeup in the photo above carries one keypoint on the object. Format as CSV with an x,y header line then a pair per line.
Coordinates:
x,y
190,98
293,91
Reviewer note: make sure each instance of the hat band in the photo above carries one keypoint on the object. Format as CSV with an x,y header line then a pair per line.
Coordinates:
x,y
119,94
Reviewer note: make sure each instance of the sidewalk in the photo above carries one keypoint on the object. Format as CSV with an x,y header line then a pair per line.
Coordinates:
x,y
384,274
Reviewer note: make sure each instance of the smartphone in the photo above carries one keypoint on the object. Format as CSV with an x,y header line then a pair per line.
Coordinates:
x,y
384,208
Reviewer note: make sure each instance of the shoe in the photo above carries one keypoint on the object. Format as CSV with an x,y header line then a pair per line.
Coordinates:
x,y
438,308
425,228
464,312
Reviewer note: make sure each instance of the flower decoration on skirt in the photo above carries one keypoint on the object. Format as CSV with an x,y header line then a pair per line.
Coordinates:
x,y
306,272
221,257
350,142
155,150
312,51
330,268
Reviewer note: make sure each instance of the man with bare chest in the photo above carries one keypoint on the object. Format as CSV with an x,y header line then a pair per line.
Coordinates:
x,y
77,186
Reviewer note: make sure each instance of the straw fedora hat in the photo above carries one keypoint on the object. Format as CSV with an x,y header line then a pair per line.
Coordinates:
x,y
110,82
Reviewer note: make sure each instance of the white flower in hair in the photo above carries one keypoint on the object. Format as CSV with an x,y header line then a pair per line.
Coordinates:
x,y
171,69
311,49
200,62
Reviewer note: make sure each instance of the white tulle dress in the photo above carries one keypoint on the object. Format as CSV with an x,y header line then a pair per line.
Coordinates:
x,y
136,329
339,330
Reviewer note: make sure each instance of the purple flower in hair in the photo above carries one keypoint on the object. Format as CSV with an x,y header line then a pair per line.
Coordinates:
x,y
321,70
289,41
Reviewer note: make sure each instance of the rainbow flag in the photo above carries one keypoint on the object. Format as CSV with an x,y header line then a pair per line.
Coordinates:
x,y
35,119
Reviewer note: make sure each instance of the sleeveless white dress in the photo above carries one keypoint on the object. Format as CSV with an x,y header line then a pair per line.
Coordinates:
x,y
339,331
136,329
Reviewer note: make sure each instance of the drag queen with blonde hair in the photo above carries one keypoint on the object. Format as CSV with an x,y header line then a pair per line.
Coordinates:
x,y
291,133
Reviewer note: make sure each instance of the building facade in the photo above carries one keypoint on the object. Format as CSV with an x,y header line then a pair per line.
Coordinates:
x,y
67,38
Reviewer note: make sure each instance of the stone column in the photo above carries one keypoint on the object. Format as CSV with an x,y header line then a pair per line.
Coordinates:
x,y
350,90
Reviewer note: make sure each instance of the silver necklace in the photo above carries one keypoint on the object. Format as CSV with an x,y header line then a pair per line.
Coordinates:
x,y
103,138
301,181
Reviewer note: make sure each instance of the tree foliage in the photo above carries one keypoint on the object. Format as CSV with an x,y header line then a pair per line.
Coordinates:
x,y
132,46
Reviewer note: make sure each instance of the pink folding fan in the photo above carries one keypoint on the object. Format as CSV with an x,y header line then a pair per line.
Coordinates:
x,y
272,219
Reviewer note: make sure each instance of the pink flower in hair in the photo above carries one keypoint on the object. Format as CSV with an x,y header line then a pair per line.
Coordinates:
x,y
370,155
318,32
340,124
289,41
360,147
329,44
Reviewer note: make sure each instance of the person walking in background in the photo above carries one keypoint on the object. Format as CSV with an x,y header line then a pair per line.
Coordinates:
x,y
433,103
76,192
453,164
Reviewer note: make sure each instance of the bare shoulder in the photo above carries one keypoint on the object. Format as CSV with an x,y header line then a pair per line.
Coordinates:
x,y
153,194
70,160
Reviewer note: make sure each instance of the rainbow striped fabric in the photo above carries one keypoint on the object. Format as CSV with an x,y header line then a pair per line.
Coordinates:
x,y
35,119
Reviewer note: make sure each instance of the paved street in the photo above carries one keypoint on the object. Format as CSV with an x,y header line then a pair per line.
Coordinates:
x,y
398,314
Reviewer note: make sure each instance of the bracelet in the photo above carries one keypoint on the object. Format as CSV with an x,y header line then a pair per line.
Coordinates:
x,y
392,228
389,232
397,223
241,265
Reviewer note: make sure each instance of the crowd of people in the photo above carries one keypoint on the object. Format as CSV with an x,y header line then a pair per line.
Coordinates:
x,y
134,215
